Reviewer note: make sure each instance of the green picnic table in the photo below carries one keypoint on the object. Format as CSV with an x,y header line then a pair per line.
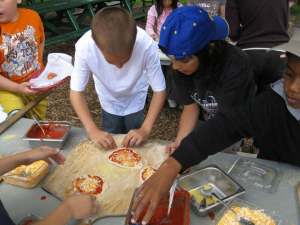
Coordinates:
x,y
66,20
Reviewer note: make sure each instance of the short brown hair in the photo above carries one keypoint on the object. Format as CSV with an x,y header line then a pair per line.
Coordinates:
x,y
114,30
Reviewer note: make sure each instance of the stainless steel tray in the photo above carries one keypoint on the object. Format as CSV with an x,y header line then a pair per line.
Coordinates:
x,y
223,186
55,143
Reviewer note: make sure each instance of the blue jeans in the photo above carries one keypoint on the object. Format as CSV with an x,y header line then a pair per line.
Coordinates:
x,y
121,124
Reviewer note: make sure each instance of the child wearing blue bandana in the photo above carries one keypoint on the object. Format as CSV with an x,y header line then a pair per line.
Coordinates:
x,y
271,118
210,74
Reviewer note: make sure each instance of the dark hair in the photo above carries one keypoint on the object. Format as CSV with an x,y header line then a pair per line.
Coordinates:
x,y
160,6
212,59
114,30
292,56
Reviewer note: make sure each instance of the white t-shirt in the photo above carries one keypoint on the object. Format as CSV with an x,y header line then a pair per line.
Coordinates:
x,y
121,91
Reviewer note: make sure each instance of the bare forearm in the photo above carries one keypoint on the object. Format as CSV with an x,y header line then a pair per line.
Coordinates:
x,y
188,120
156,105
171,167
60,216
8,85
80,106
9,163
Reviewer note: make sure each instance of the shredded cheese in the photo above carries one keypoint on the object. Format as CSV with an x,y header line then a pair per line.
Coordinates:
x,y
258,217
89,184
125,157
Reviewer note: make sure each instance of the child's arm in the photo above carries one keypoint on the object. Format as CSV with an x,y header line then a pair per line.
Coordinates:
x,y
97,135
151,22
8,85
79,80
187,123
156,105
75,207
157,82
138,136
27,157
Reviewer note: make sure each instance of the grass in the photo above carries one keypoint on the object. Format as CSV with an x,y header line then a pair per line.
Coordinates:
x,y
295,10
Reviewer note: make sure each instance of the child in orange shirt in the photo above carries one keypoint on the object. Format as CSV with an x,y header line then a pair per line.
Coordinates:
x,y
21,54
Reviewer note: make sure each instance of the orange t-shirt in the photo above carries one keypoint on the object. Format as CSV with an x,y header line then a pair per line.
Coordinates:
x,y
21,46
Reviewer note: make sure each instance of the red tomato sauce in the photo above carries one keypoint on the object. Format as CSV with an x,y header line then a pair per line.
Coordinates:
x,y
28,222
129,153
43,197
98,189
52,131
179,214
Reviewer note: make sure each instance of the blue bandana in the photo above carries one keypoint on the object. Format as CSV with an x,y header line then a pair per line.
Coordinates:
x,y
189,29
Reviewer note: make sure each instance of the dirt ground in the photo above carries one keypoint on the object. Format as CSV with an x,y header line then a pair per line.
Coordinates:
x,y
60,107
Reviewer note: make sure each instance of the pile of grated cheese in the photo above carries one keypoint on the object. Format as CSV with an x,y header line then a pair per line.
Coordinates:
x,y
89,185
258,217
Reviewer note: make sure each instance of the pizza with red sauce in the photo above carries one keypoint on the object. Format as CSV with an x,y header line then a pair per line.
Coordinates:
x,y
91,185
125,157
146,173
51,75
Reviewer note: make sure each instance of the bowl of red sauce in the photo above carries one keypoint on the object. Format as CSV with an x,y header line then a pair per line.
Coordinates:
x,y
50,133
179,214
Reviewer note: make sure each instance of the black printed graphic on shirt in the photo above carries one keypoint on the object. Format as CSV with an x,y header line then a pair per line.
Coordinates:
x,y
208,102
20,52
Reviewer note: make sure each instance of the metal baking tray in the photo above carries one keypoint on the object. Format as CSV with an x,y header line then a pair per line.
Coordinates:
x,y
223,186
51,142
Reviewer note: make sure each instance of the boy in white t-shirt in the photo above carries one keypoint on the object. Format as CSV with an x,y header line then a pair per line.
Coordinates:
x,y
124,61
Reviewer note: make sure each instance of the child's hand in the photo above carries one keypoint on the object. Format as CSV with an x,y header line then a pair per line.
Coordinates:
x,y
24,88
41,153
81,206
135,137
103,138
170,148
153,190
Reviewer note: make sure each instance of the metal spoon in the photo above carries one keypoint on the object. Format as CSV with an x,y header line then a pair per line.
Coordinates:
x,y
208,191
39,125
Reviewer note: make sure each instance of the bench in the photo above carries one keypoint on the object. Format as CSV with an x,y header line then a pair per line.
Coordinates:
x,y
66,20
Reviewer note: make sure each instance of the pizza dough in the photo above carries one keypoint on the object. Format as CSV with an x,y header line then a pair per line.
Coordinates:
x,y
126,158
120,182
